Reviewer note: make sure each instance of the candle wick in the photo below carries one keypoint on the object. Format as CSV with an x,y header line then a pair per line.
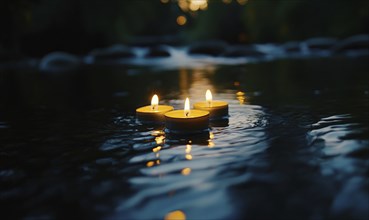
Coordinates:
x,y
187,113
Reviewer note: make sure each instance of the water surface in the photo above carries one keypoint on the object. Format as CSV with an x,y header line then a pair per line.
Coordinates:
x,y
295,145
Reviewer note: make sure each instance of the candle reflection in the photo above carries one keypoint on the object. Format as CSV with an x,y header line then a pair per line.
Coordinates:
x,y
150,163
186,171
210,141
159,140
188,152
175,215
241,97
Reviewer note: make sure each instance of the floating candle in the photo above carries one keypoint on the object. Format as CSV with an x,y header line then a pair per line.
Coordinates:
x,y
217,109
187,120
154,112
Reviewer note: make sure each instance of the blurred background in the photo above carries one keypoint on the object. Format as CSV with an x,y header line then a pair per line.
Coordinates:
x,y
34,28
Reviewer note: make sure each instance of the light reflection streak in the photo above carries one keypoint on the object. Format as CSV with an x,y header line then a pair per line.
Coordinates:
x,y
200,83
210,141
241,97
188,152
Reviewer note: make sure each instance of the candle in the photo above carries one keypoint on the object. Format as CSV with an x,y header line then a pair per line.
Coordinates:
x,y
153,112
217,109
187,120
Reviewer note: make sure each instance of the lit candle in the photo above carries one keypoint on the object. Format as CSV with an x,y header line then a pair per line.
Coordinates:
x,y
187,120
153,112
217,109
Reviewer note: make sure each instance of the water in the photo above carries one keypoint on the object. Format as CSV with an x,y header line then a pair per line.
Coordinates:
x,y
295,145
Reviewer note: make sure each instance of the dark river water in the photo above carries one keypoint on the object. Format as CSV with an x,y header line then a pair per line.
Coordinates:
x,y
295,145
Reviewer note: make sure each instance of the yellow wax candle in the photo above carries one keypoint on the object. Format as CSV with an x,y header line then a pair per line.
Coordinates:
x,y
153,112
217,109
187,120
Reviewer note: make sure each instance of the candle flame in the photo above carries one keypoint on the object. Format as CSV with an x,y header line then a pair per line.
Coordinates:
x,y
187,107
209,97
154,102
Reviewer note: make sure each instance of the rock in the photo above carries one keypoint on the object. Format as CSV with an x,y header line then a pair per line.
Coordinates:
x,y
320,43
59,62
243,51
152,41
355,45
212,48
112,53
159,51
292,47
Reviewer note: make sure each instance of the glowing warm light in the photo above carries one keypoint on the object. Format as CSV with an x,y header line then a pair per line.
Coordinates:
x,y
181,20
150,164
164,1
187,107
242,2
154,102
193,5
183,4
157,162
204,6
209,97
175,215
186,171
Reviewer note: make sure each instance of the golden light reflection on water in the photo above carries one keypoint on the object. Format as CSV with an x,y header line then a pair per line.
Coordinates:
x,y
159,140
188,152
184,83
186,171
156,149
210,141
201,83
157,132
188,156
175,215
193,84
241,97
150,163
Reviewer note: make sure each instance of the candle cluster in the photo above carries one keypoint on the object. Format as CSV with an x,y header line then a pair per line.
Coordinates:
x,y
187,120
